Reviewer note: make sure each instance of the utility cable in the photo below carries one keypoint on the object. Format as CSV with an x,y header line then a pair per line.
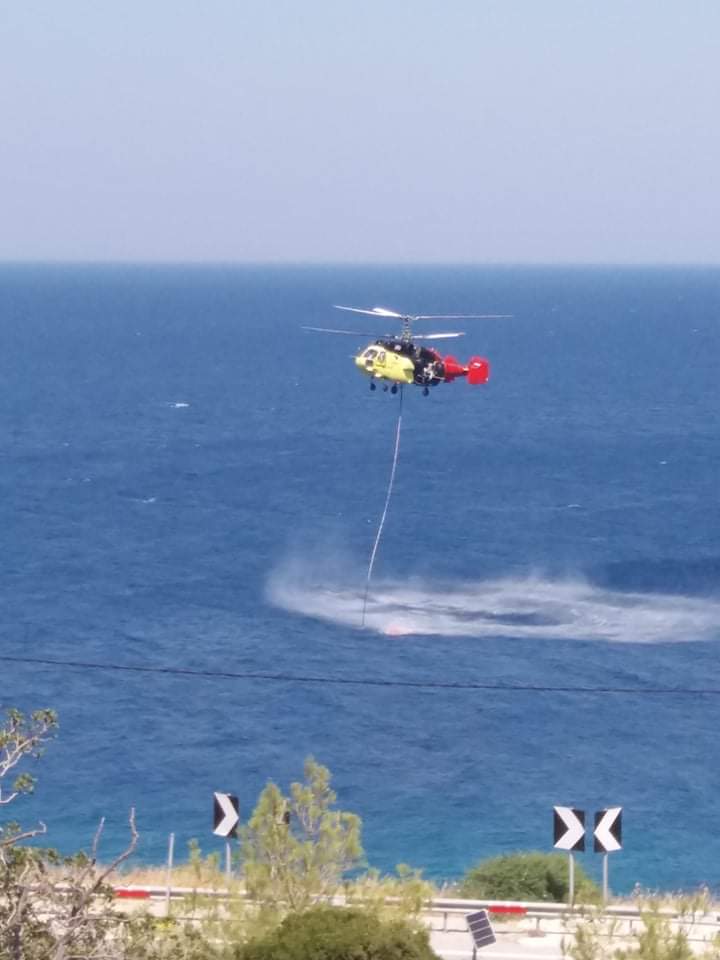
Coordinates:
x,y
365,681
385,510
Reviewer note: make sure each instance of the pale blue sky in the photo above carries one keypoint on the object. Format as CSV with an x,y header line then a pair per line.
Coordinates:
x,y
359,130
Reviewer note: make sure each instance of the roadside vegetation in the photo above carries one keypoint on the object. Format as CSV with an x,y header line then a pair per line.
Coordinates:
x,y
532,876
296,854
594,936
323,932
303,891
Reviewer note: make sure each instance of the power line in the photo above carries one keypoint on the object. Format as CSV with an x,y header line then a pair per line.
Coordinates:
x,y
364,681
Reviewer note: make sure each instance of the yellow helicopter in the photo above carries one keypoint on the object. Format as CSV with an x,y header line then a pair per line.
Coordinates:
x,y
398,359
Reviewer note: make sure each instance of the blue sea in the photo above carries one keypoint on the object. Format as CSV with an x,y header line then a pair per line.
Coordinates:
x,y
191,482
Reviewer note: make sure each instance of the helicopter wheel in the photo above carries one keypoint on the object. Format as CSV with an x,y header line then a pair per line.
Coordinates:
x,y
393,388
372,385
426,391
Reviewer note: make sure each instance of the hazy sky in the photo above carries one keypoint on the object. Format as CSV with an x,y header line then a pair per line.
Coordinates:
x,y
360,130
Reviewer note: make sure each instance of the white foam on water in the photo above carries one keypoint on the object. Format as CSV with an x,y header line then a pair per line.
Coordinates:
x,y
533,607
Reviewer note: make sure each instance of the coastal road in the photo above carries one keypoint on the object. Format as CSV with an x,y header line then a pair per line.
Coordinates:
x,y
457,945
524,931
542,932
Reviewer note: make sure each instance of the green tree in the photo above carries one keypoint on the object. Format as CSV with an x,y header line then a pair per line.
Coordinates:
x,y
51,907
297,848
529,876
21,738
339,933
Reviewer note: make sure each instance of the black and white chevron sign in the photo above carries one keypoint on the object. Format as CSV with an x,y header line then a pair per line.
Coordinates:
x,y
226,815
568,828
608,830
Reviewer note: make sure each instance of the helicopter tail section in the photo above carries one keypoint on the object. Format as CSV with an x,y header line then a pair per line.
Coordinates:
x,y
478,370
452,368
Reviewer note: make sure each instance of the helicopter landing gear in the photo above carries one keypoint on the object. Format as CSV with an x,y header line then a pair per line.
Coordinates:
x,y
393,388
426,391
372,385
385,388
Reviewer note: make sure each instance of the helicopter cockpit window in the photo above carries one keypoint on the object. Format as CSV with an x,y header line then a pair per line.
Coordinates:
x,y
370,353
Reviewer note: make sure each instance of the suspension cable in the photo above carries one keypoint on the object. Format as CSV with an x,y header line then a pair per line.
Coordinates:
x,y
385,510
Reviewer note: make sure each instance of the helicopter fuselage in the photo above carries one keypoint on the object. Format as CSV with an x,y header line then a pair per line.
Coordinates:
x,y
387,360
402,361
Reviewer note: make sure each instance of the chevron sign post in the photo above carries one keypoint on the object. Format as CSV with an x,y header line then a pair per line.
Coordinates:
x,y
608,830
568,828
226,816
607,838
569,834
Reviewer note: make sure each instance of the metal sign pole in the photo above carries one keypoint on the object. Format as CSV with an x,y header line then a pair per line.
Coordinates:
x,y
168,878
605,879
571,880
226,816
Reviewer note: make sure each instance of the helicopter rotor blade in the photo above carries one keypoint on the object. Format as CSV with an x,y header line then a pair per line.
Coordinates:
x,y
375,312
349,333
438,336
463,316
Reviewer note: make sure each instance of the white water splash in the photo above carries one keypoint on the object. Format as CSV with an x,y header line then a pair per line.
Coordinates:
x,y
533,607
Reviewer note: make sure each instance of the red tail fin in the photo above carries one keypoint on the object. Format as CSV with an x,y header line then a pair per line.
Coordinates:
x,y
478,370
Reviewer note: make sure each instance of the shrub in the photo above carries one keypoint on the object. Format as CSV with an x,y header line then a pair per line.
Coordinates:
x,y
658,941
527,876
339,933
595,937
401,896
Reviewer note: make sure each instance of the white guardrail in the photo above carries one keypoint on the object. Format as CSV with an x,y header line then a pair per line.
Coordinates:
x,y
447,915
559,918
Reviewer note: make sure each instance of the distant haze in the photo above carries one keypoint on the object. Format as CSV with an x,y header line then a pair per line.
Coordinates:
x,y
396,131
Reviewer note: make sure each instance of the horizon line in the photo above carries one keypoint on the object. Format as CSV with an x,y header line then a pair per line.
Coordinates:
x,y
364,264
